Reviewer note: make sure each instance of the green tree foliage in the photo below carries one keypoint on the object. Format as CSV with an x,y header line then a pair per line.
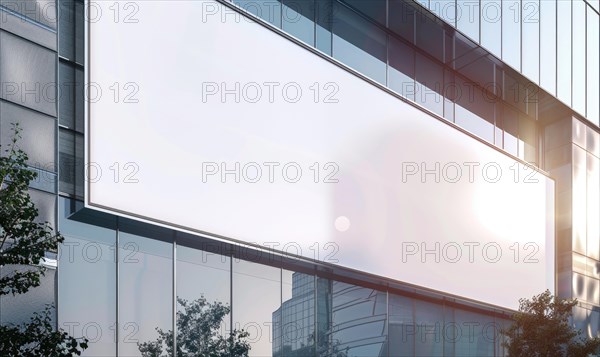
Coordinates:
x,y
38,338
541,329
198,333
24,242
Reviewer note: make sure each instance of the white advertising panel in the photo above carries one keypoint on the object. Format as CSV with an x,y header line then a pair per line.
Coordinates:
x,y
205,121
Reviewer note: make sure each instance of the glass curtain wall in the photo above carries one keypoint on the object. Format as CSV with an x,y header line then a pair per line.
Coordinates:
x,y
403,47
139,290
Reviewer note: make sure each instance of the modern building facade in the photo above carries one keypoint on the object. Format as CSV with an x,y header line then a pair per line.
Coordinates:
x,y
517,78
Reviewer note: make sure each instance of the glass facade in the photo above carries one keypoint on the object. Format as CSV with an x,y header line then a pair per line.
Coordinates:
x,y
545,40
71,97
402,46
554,44
148,280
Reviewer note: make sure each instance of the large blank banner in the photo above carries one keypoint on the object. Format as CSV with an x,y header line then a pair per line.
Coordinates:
x,y
202,120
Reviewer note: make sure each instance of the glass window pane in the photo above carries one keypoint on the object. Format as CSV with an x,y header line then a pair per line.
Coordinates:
x,y
527,139
87,305
429,320
145,292
401,326
357,318
579,66
511,33
203,298
430,36
467,19
79,32
593,66
248,315
67,95
38,139
79,165
71,30
515,92
473,334
66,161
298,18
359,44
531,34
295,332
324,16
66,28
563,64
429,84
510,120
401,70
79,100
33,68
593,290
579,290
593,206
473,111
491,26
579,198
402,19
548,46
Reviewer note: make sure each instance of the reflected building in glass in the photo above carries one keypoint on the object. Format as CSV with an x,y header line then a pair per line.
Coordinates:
x,y
522,76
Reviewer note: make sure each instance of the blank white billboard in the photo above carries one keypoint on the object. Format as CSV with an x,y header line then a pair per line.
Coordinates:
x,y
208,122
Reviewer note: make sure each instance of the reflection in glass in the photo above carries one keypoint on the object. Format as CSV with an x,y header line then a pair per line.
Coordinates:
x,y
527,139
548,46
491,26
203,275
579,287
579,56
563,63
511,33
593,290
294,322
145,290
531,33
199,333
593,206
351,320
579,199
593,66
510,121
256,295
359,44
